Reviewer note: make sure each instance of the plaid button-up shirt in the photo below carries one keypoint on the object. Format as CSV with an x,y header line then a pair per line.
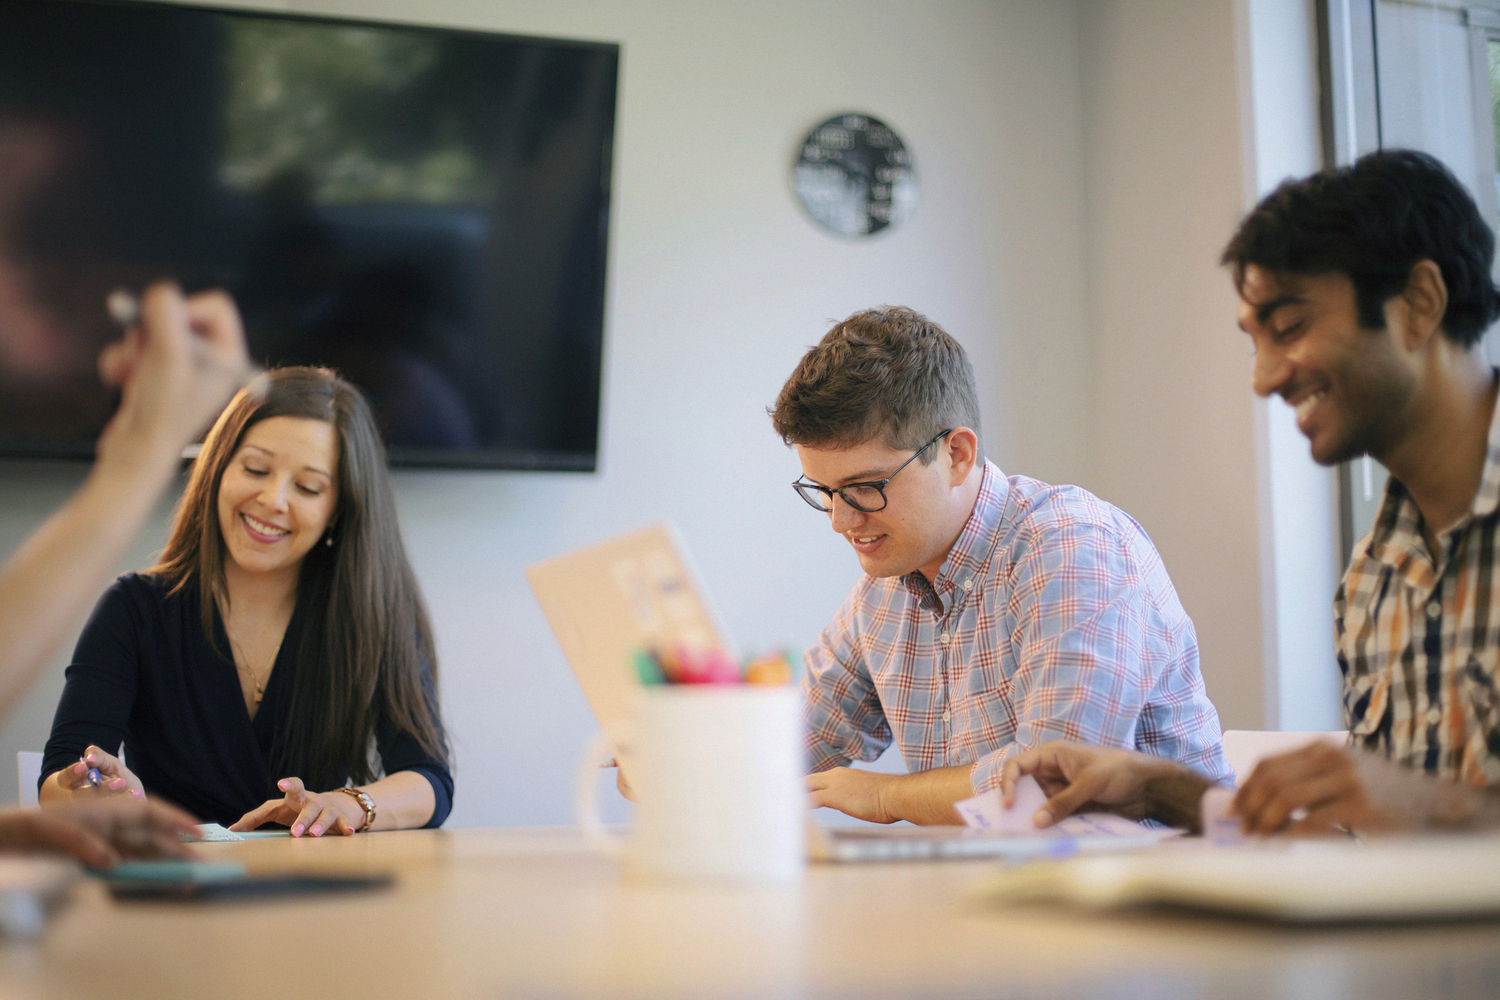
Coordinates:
x,y
1052,618
1418,635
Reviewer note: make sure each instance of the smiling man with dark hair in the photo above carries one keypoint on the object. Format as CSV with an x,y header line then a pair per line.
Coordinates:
x,y
1365,291
995,613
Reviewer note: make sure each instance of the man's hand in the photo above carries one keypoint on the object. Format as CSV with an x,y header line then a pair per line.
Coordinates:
x,y
856,793
1309,790
926,797
1320,788
1080,778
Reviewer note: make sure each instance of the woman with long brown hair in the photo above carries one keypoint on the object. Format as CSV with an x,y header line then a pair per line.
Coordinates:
x,y
280,639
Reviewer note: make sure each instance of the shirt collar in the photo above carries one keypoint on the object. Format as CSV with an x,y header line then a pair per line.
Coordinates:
x,y
969,552
1398,525
1488,496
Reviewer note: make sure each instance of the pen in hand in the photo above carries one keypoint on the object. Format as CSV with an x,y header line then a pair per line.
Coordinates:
x,y
95,779
124,308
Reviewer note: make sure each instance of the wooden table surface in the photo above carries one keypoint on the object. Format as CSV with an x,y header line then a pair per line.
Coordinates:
x,y
532,913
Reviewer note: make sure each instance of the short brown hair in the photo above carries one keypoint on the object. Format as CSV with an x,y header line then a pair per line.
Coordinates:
x,y
890,373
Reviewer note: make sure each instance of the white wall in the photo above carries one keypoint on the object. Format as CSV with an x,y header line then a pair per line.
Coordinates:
x,y
1173,423
1081,167
717,286
1300,559
1192,109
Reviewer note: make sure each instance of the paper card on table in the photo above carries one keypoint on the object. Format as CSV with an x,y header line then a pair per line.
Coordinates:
x,y
1097,823
1219,825
986,811
213,831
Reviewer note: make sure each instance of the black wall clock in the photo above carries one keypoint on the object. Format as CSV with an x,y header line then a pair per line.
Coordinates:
x,y
854,175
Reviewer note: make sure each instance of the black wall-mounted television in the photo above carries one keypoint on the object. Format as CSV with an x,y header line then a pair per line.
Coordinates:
x,y
425,210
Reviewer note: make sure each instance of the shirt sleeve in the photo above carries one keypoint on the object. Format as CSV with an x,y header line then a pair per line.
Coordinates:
x,y
100,687
840,705
401,751
1083,626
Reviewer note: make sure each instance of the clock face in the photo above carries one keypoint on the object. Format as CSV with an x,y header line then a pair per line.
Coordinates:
x,y
854,176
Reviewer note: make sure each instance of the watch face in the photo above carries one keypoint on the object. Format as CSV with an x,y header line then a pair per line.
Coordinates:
x,y
854,176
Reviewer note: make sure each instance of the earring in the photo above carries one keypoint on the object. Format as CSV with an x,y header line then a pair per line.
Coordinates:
x,y
328,539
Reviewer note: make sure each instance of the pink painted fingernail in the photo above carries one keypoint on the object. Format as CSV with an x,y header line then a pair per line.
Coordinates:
x,y
137,792
316,831
281,784
297,830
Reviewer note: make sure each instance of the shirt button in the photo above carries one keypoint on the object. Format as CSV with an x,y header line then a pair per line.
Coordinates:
x,y
969,583
945,715
945,638
1434,609
1434,716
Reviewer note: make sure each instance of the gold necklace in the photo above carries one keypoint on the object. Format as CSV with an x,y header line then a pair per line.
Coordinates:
x,y
260,689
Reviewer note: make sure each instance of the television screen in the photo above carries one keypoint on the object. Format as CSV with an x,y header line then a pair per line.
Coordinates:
x,y
423,210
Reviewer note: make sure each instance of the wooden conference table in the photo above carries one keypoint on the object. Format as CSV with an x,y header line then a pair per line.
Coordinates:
x,y
531,913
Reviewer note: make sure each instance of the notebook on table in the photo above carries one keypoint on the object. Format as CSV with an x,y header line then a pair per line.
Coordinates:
x,y
1279,879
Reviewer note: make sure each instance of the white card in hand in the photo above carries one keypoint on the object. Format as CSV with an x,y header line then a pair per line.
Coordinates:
x,y
986,811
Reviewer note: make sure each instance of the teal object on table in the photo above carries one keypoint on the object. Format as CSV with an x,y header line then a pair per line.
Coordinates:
x,y
173,871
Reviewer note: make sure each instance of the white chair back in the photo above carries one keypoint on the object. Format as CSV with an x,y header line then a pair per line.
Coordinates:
x,y
1244,748
28,771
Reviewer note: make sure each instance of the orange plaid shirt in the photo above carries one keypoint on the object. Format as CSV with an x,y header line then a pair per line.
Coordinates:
x,y
1418,635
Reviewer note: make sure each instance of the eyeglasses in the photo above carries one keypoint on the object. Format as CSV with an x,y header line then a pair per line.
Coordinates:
x,y
866,497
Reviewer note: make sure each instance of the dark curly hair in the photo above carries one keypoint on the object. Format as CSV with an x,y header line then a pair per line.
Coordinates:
x,y
1372,222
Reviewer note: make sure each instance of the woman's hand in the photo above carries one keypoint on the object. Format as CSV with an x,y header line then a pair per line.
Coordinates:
x,y
114,778
310,813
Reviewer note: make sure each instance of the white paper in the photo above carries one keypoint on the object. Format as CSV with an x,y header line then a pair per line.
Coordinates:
x,y
986,811
1219,827
1107,824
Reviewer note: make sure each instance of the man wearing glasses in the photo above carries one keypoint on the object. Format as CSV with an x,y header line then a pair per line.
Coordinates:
x,y
996,613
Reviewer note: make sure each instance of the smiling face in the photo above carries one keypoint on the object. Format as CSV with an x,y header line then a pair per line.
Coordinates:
x,y
278,493
1353,389
922,517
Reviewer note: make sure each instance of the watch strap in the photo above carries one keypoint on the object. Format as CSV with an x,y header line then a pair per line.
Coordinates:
x,y
366,803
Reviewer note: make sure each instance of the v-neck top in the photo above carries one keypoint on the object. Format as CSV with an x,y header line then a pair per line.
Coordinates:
x,y
145,675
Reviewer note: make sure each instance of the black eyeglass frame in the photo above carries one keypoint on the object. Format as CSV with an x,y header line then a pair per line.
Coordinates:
x,y
809,490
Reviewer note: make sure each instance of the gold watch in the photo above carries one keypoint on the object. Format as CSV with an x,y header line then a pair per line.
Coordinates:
x,y
366,803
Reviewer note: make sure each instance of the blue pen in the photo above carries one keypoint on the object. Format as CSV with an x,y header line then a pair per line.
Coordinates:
x,y
93,775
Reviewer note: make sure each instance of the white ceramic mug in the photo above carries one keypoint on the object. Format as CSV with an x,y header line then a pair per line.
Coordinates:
x,y
717,775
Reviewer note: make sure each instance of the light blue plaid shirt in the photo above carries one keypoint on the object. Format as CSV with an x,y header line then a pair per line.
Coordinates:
x,y
1052,618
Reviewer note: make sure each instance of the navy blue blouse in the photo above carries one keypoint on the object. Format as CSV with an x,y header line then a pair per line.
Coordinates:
x,y
145,675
